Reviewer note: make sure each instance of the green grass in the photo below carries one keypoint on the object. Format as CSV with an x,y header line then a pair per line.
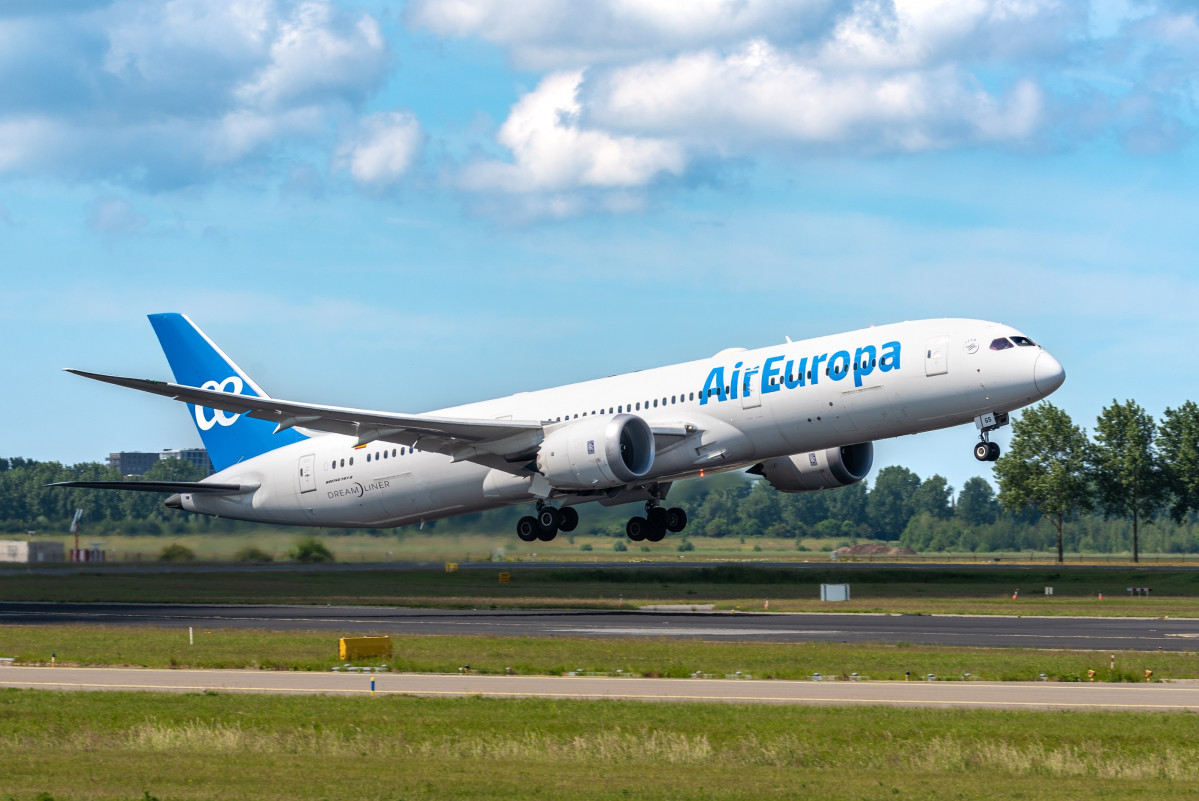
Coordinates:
x,y
671,657
126,746
960,590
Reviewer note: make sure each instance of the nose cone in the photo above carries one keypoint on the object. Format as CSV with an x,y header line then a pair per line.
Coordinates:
x,y
1048,374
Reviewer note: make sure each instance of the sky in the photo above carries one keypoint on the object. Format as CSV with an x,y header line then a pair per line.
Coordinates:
x,y
405,206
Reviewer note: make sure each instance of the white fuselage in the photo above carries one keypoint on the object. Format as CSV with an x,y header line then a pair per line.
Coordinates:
x,y
759,404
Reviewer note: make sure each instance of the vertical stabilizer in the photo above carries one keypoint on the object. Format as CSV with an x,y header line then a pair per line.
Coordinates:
x,y
196,361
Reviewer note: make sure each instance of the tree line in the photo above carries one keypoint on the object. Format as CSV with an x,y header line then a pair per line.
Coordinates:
x,y
1094,493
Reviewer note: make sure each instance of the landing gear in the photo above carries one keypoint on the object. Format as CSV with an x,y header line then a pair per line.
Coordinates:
x,y
546,524
656,523
984,449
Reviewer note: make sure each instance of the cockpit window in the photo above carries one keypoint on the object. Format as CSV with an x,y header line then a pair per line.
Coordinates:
x,y
1003,343
1024,342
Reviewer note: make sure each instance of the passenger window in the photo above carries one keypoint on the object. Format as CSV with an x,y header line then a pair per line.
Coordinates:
x,y
351,461
343,462
655,403
638,405
393,453
1002,343
368,457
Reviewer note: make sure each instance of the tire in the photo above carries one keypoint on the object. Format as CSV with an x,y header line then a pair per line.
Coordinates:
x,y
636,528
656,533
992,451
547,534
526,529
676,520
549,518
657,517
568,518
982,451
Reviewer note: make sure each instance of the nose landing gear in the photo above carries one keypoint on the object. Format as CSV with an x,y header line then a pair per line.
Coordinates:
x,y
984,449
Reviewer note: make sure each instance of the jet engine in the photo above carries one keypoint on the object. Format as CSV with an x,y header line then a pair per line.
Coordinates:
x,y
826,469
597,452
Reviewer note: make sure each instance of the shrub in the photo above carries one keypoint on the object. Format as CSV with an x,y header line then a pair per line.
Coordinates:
x,y
177,553
686,545
310,550
585,546
619,546
253,554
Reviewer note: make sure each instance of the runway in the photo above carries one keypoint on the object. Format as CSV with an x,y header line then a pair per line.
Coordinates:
x,y
1089,633
983,695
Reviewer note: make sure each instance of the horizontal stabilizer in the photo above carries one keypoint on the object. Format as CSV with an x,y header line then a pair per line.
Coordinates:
x,y
193,487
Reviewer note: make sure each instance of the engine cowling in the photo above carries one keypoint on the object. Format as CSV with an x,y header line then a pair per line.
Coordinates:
x,y
597,452
826,469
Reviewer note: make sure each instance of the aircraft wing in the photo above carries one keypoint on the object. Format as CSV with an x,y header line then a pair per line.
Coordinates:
x,y
194,487
504,444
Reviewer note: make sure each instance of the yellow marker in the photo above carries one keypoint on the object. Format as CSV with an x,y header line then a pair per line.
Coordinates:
x,y
505,578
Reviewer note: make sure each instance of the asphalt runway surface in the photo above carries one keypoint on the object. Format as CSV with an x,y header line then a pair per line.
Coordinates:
x,y
1086,633
960,694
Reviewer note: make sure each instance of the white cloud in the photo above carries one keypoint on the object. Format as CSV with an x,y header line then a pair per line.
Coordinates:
x,y
547,34
552,152
165,94
381,150
760,94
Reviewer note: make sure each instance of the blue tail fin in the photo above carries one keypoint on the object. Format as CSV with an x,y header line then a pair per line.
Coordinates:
x,y
196,361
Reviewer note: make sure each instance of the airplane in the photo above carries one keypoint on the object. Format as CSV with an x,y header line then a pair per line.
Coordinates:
x,y
802,415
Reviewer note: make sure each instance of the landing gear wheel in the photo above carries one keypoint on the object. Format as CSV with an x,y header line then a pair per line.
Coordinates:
x,y
549,518
982,451
548,521
992,451
676,520
655,533
526,528
657,517
568,519
637,528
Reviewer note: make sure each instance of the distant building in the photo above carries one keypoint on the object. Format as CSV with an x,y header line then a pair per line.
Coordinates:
x,y
24,551
136,463
196,457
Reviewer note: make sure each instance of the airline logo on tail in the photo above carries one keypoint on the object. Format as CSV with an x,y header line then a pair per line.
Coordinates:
x,y
232,384
197,361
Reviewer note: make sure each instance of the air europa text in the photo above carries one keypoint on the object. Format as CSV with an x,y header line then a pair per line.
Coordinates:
x,y
775,373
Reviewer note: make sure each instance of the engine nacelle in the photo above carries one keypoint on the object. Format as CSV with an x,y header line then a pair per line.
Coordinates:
x,y
826,469
597,452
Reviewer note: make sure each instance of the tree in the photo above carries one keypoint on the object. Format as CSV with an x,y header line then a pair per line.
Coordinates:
x,y
1178,446
1045,467
976,503
310,550
1124,467
934,497
889,505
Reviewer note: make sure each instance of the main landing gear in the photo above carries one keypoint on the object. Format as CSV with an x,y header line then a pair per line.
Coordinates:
x,y
656,523
546,524
984,449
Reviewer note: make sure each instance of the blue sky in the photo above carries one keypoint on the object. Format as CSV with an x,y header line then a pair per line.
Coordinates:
x,y
406,206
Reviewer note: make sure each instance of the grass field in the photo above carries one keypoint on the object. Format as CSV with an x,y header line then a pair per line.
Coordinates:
x,y
125,746
307,650
957,590
408,545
